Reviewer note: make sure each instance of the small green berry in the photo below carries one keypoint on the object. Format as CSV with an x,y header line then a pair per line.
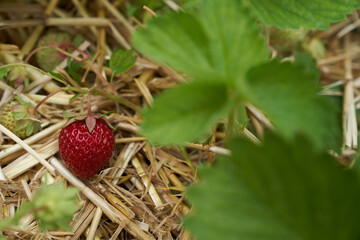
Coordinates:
x,y
17,118
8,121
49,58
315,47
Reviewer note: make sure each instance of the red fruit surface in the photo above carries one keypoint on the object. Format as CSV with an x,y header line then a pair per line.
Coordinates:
x,y
86,153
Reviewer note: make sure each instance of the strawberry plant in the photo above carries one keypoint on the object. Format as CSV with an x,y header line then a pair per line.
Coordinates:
x,y
224,69
308,13
243,77
289,187
279,190
121,61
53,206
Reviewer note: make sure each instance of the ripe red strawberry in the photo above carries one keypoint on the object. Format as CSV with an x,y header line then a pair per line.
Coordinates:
x,y
85,152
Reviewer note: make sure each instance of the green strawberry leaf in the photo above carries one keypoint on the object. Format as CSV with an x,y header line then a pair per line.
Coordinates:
x,y
223,42
178,40
22,102
288,95
277,190
19,115
58,206
236,42
77,40
37,126
77,95
14,75
79,118
241,117
26,82
308,66
204,48
53,206
29,128
121,61
4,71
25,208
21,124
69,115
307,13
74,68
177,116
58,77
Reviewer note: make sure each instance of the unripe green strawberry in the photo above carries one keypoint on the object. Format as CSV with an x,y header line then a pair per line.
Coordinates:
x,y
17,117
9,122
289,36
286,41
315,47
49,58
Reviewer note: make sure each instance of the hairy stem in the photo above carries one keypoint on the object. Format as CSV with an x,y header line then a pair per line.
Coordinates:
x,y
89,104
33,111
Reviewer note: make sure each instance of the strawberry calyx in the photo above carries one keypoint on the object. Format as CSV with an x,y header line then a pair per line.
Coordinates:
x,y
90,122
90,118
15,76
18,76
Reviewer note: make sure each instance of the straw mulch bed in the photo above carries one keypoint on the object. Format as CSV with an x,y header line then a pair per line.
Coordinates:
x,y
140,193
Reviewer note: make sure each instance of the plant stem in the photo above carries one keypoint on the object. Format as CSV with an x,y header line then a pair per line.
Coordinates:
x,y
33,52
188,160
33,111
77,59
89,104
112,77
116,98
98,73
